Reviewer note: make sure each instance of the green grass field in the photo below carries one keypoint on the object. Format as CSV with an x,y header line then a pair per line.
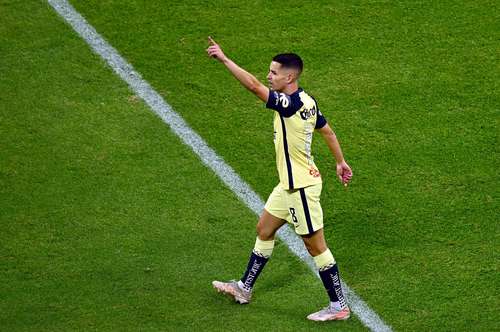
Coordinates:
x,y
110,223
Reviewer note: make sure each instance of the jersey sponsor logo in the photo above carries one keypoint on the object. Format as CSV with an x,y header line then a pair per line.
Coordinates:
x,y
307,113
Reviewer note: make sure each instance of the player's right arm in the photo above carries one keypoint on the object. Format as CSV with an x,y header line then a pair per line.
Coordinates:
x,y
246,79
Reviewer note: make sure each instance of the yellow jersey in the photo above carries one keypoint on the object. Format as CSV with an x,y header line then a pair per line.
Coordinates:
x,y
296,117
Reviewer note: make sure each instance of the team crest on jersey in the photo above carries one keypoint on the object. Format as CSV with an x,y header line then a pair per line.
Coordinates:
x,y
307,113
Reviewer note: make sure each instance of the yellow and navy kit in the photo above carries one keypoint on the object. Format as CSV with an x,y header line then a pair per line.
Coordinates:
x,y
296,117
300,207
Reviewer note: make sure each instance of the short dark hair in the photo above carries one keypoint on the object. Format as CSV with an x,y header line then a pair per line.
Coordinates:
x,y
290,60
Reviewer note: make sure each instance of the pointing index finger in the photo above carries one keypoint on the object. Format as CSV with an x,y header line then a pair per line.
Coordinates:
x,y
211,41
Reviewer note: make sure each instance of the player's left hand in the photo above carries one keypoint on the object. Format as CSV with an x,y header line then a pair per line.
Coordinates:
x,y
214,50
344,172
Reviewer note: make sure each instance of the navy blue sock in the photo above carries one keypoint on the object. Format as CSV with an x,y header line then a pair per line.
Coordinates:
x,y
331,281
255,266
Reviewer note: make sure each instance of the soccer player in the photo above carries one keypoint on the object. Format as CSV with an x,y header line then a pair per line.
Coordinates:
x,y
296,198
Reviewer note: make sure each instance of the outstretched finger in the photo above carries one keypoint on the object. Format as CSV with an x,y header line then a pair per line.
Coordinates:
x,y
211,41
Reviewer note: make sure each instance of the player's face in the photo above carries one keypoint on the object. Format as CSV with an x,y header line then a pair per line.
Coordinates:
x,y
278,77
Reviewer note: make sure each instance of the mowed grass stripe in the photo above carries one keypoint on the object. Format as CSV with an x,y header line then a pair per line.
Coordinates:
x,y
109,222
206,154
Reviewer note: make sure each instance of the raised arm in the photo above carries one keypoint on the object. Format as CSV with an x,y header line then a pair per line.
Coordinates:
x,y
246,79
344,172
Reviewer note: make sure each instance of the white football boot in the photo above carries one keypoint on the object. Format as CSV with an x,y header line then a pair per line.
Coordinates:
x,y
233,290
330,313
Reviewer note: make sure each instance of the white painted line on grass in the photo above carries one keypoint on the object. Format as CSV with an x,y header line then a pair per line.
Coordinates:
x,y
208,156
